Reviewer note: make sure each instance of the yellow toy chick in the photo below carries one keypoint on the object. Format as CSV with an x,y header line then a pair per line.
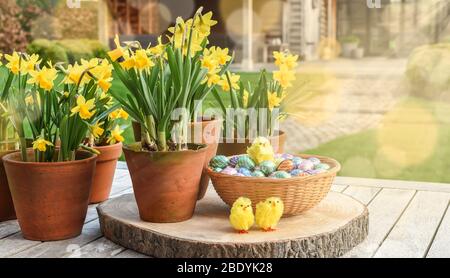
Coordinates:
x,y
261,150
268,213
241,217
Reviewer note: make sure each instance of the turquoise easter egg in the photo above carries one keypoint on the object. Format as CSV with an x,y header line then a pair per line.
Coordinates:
x,y
245,161
246,172
267,167
229,171
297,161
258,174
296,172
322,166
219,161
217,170
280,175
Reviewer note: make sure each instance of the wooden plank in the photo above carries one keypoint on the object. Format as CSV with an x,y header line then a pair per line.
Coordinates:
x,y
441,244
130,254
101,248
338,187
411,185
58,249
384,211
415,230
364,194
8,228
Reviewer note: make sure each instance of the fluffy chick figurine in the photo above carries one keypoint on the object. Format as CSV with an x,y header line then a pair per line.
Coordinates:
x,y
241,217
268,213
261,150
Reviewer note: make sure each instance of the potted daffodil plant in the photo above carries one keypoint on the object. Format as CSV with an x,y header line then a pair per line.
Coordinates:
x,y
256,107
57,107
165,83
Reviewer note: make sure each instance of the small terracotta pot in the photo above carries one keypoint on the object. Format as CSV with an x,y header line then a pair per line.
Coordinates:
x,y
165,184
104,172
210,131
6,204
50,198
235,148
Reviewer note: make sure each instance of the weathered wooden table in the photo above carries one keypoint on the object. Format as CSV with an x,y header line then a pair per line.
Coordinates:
x,y
406,219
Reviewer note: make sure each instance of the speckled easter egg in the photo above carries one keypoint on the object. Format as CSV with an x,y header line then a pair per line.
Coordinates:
x,y
287,156
286,165
297,160
267,167
280,175
258,174
306,165
322,166
314,160
278,161
217,170
245,161
219,161
296,172
229,171
233,161
244,171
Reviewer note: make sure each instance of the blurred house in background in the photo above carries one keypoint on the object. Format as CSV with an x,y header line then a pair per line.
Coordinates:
x,y
310,28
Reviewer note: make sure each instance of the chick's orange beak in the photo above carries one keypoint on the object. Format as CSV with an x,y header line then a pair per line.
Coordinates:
x,y
273,204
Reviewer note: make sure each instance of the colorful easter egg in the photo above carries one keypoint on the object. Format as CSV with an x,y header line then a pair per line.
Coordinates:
x,y
246,172
296,172
219,161
233,161
287,156
297,160
278,161
245,161
217,170
240,175
258,174
306,165
322,166
280,175
267,167
314,160
229,171
286,165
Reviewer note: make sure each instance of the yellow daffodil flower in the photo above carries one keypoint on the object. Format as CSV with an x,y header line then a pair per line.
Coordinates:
x,y
158,49
84,108
14,62
284,76
208,61
97,130
234,79
118,114
74,74
245,98
142,61
30,64
103,74
273,100
221,55
204,23
118,52
115,136
212,78
44,78
41,144
129,62
178,31
282,58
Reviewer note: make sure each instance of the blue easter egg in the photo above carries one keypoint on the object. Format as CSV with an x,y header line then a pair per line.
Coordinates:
x,y
314,160
280,175
297,160
267,167
219,161
258,174
296,172
245,161
246,172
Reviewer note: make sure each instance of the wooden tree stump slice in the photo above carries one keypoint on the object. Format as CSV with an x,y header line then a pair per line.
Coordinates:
x,y
332,228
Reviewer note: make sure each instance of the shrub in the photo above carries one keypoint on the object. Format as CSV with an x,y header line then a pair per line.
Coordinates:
x,y
12,37
67,50
48,51
428,70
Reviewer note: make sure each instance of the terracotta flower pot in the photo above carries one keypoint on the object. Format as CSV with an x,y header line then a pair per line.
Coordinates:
x,y
165,184
104,172
210,134
51,198
6,204
236,148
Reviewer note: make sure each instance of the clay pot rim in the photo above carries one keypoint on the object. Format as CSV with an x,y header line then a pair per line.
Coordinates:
x,y
203,148
105,147
8,158
334,170
281,133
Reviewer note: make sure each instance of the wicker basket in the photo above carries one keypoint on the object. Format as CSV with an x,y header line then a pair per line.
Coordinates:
x,y
298,193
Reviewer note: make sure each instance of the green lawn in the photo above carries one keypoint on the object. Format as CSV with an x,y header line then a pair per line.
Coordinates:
x,y
412,144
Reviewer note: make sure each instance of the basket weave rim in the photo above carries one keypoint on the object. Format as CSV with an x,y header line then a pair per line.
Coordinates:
x,y
336,166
